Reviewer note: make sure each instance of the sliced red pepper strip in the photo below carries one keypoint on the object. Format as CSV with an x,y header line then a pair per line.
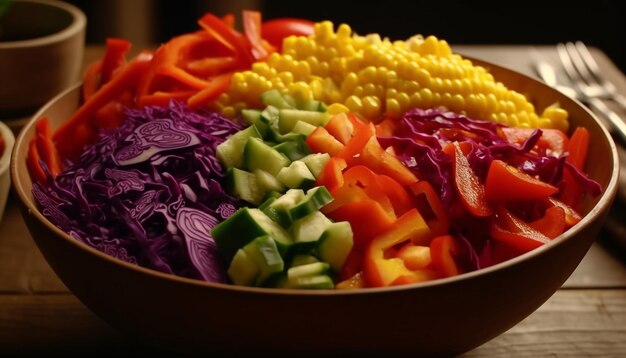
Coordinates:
x,y
46,149
386,127
514,232
552,223
229,20
227,36
381,265
572,217
210,66
91,79
397,194
362,177
572,192
362,134
114,57
380,161
163,99
183,77
320,141
367,218
506,183
332,175
340,127
32,163
442,251
469,189
252,31
216,86
430,206
64,137
552,141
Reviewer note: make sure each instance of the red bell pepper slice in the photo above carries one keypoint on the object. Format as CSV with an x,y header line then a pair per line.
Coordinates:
x,y
506,183
367,217
182,77
32,163
571,190
252,31
362,134
360,176
114,58
386,128
381,265
91,80
352,266
163,99
215,87
210,66
397,194
515,233
469,189
332,175
380,161
227,36
552,223
442,251
320,141
572,217
46,149
552,141
430,206
340,127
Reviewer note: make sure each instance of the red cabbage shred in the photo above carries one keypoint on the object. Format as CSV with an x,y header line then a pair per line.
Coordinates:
x,y
149,192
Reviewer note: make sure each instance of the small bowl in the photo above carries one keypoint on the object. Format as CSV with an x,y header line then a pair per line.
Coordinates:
x,y
441,317
5,159
41,49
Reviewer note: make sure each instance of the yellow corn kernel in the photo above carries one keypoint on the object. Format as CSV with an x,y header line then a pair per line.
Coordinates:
x,y
393,108
557,117
344,32
371,107
354,103
228,112
301,91
337,108
367,75
403,100
427,97
416,100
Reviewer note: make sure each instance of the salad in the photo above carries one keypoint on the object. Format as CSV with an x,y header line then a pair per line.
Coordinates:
x,y
294,155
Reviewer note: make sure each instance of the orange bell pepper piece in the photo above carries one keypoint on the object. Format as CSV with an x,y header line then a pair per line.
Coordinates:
x,y
381,265
442,251
216,86
367,217
380,161
552,223
340,127
331,176
430,206
320,141
114,58
514,232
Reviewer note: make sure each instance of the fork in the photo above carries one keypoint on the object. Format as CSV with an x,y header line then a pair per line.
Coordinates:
x,y
588,88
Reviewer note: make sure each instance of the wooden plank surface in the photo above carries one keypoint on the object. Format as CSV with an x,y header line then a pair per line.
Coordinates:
x,y
586,317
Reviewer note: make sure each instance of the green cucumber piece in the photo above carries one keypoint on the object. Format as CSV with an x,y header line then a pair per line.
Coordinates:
x,y
303,259
313,201
265,253
294,149
288,118
245,185
274,98
335,244
310,228
245,225
258,155
316,162
251,116
311,105
243,270
230,152
268,182
319,282
303,127
296,175
278,210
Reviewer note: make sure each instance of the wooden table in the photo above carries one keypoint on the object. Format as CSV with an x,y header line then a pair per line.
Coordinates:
x,y
586,317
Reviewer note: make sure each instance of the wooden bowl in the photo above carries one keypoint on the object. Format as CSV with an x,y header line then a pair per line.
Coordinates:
x,y
443,317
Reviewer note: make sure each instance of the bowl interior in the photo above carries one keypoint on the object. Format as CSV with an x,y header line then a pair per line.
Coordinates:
x,y
25,20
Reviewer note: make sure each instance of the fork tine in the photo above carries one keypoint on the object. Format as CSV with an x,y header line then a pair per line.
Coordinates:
x,y
589,61
579,64
566,61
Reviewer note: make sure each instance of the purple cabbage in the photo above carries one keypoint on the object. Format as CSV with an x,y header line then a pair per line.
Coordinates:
x,y
149,192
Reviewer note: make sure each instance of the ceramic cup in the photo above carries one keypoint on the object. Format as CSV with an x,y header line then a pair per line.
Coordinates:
x,y
41,50
5,158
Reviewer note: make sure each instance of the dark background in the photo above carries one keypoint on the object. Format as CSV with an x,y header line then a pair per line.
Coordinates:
x,y
598,23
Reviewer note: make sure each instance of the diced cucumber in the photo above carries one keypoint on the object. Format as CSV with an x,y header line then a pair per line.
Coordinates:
x,y
296,175
258,155
309,276
303,127
278,210
310,228
288,118
308,270
268,182
245,185
314,200
230,152
244,226
274,98
266,256
299,260
316,162
335,244
243,270
311,105
251,116
294,149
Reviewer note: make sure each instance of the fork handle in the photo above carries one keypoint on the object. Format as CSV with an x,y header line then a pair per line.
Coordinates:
x,y
621,100
618,126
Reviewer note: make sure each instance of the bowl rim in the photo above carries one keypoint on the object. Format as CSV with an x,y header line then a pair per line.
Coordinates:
x,y
79,21
9,140
605,200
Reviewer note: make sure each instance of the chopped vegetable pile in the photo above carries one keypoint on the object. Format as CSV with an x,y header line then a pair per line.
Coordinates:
x,y
293,156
